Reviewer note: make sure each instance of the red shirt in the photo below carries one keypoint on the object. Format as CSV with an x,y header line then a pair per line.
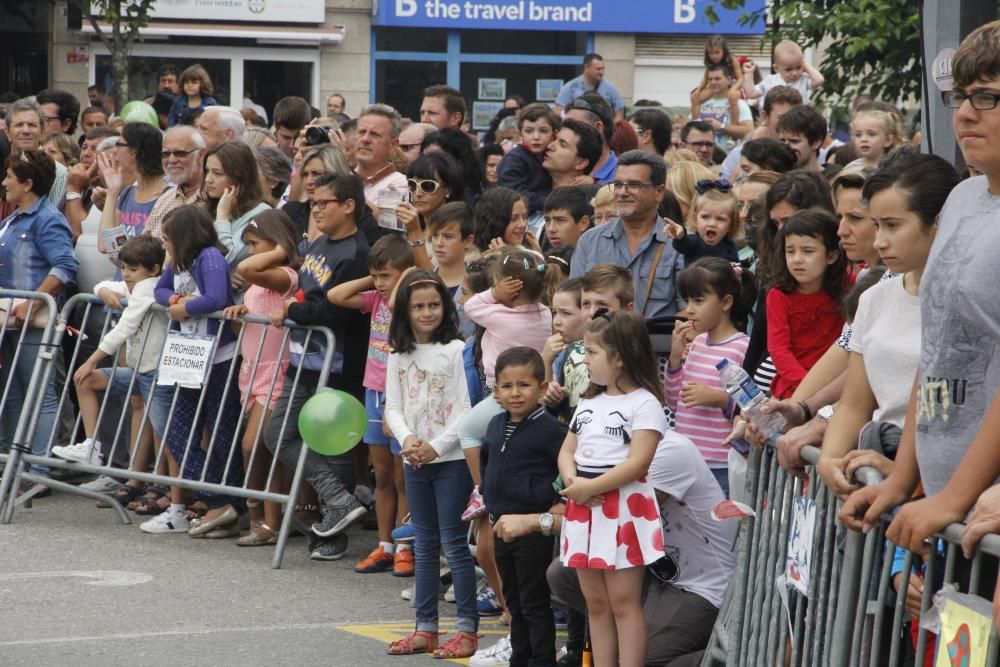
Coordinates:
x,y
800,329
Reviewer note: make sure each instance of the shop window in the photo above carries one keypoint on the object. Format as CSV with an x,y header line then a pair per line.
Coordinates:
x,y
267,81
408,39
142,74
401,84
520,79
534,42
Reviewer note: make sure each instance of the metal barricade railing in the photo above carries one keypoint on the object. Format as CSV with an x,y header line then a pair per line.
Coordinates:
x,y
217,406
852,615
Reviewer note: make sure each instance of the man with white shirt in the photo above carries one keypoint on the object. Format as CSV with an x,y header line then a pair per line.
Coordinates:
x,y
377,135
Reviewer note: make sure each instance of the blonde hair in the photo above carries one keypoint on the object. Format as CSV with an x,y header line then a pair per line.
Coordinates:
x,y
604,196
255,136
676,155
890,121
714,195
333,159
682,177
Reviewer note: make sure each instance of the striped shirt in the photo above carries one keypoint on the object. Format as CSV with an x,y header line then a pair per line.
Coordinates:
x,y
707,427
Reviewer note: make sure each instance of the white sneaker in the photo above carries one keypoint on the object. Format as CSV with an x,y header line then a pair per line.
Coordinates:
x,y
167,522
407,593
449,595
102,484
87,451
497,655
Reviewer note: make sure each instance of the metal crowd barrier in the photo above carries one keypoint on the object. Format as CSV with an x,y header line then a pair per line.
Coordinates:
x,y
80,325
852,615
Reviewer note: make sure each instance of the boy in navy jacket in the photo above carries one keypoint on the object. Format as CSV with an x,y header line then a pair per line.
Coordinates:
x,y
519,465
521,169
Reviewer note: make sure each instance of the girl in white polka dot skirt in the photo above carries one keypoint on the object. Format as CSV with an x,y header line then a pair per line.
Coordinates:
x,y
611,528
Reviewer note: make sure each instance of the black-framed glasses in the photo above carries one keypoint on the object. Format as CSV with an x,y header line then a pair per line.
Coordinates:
x,y
702,144
169,154
408,147
980,101
426,185
321,204
631,186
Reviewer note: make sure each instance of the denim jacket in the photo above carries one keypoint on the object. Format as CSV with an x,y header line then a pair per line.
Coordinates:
x,y
37,243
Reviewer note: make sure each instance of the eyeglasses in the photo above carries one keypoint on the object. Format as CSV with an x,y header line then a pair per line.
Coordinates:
x,y
427,186
980,101
170,154
631,186
321,204
702,144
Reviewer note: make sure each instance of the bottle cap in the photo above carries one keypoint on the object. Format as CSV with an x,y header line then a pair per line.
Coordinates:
x,y
722,364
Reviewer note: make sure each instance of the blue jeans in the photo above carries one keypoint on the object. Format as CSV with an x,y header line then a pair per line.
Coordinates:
x,y
14,379
438,494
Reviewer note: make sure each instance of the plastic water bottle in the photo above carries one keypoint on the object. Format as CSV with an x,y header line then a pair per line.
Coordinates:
x,y
742,389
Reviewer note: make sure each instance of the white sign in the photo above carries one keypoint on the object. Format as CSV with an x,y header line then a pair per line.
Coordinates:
x,y
185,360
800,544
283,11
941,70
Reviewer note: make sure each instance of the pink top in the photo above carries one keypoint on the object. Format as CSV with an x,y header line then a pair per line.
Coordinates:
x,y
529,325
262,301
706,427
378,339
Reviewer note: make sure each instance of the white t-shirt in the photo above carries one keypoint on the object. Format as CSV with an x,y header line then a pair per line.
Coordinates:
x,y
426,395
803,84
700,547
886,332
719,110
604,425
391,181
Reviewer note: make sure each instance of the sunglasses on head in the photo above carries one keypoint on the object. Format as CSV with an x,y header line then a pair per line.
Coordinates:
x,y
428,186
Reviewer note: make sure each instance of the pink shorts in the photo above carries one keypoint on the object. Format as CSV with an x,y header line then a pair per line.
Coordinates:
x,y
262,391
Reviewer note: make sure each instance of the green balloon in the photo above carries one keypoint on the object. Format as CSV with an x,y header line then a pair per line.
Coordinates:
x,y
138,111
332,422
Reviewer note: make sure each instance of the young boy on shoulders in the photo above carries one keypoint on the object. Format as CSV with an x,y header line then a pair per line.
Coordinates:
x,y
523,443
521,168
390,257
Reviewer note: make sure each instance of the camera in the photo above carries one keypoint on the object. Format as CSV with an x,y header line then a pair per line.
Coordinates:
x,y
316,136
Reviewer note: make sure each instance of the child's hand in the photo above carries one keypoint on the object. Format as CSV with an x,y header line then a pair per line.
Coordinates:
x,y
507,289
497,244
714,122
674,230
178,311
581,491
224,210
697,395
112,300
278,317
554,395
83,372
739,430
233,312
554,344
733,95
678,342
532,242
749,66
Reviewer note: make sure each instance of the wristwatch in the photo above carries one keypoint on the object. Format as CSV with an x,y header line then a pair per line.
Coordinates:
x,y
417,243
72,196
825,412
545,523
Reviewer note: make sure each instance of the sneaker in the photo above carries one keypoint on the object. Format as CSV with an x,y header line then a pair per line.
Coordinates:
x,y
486,602
560,617
497,655
336,518
333,548
102,484
377,561
403,565
406,532
88,452
567,658
407,593
449,595
167,522
476,507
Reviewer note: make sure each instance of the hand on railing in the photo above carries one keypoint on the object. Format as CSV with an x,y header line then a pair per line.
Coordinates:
x,y
839,473
864,508
984,519
918,520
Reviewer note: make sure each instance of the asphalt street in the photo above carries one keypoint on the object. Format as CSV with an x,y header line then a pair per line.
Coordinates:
x,y
79,588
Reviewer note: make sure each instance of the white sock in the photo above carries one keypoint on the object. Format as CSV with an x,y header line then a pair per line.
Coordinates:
x,y
177,509
402,547
388,547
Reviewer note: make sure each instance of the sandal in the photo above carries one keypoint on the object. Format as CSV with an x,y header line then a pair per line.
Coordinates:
x,y
125,494
407,645
260,534
462,645
156,501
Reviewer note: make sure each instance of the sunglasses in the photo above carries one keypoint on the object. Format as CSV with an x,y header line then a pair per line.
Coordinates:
x,y
169,154
427,186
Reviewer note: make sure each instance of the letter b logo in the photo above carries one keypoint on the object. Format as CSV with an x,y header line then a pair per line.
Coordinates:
x,y
406,8
684,11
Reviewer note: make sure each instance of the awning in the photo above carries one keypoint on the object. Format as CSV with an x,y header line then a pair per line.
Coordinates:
x,y
263,34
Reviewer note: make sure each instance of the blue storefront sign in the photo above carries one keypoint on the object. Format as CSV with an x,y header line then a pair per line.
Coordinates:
x,y
656,16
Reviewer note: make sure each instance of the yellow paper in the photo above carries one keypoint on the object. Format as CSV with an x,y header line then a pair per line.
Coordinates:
x,y
965,636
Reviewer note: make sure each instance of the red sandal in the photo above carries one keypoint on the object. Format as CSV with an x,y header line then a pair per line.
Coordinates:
x,y
456,647
406,645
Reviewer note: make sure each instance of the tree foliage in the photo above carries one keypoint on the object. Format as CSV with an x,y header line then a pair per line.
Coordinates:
x,y
869,46
126,18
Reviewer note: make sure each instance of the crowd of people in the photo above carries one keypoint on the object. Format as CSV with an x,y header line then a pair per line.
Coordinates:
x,y
490,299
